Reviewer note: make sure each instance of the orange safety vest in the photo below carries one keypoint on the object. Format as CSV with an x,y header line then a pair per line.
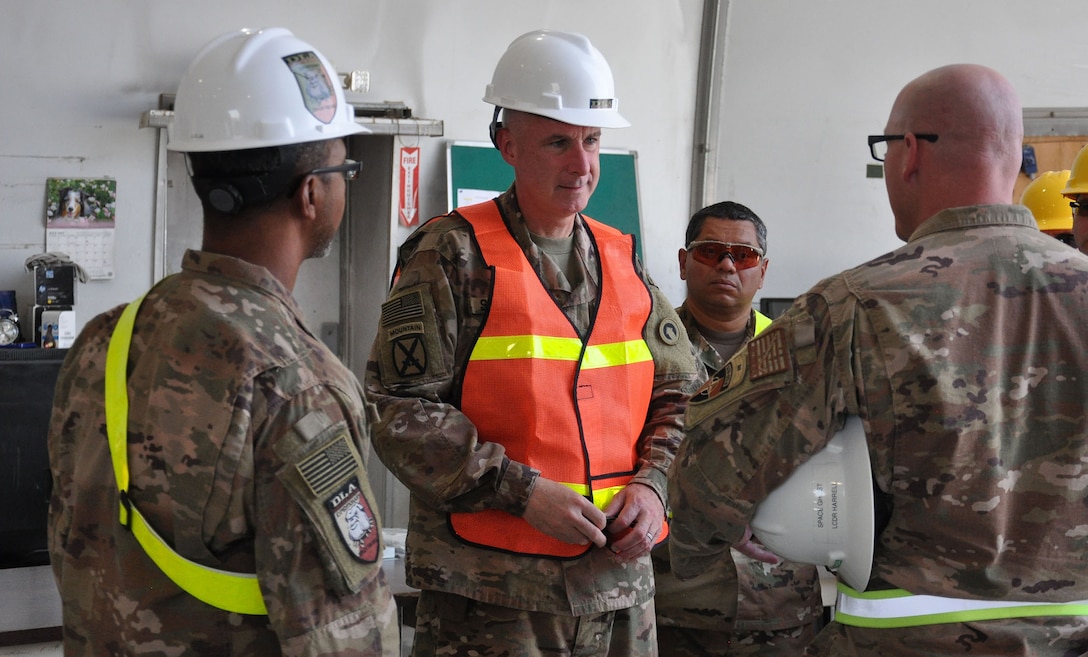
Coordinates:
x,y
570,408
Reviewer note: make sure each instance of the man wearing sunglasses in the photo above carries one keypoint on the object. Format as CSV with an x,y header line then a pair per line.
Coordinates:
x,y
737,606
963,353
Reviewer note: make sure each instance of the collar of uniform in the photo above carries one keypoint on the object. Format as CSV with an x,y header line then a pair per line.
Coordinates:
x,y
974,216
216,264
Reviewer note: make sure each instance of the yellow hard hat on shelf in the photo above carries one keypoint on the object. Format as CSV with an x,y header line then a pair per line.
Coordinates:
x,y
1045,198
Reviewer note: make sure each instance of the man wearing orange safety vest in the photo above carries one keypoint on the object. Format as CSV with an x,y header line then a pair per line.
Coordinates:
x,y
531,383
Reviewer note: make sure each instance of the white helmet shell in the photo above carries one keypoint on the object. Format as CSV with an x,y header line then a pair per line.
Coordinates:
x,y
824,512
558,75
252,89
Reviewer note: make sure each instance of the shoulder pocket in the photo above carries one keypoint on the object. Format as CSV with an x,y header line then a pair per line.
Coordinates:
x,y
409,344
326,476
764,363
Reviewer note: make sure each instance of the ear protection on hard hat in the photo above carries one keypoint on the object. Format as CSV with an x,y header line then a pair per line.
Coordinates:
x,y
493,129
824,513
229,194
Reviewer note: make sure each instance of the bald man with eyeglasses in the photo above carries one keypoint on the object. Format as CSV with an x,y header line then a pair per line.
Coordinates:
x,y
739,606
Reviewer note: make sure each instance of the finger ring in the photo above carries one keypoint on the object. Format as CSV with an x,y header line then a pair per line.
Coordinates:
x,y
650,536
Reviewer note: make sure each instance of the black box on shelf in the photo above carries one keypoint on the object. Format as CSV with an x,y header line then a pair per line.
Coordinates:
x,y
55,285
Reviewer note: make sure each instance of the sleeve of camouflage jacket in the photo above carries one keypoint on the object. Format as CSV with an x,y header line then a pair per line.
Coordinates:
x,y
676,376
422,437
774,404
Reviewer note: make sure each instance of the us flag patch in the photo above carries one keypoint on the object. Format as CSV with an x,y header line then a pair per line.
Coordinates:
x,y
768,354
402,308
325,469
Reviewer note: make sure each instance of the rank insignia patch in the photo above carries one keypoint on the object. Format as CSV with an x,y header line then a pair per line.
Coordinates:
x,y
768,354
355,521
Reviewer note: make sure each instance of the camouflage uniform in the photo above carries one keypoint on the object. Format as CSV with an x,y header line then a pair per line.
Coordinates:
x,y
233,404
432,447
964,351
737,606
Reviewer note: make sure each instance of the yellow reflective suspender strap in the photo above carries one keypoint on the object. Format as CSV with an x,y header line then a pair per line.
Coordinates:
x,y
762,322
552,348
898,608
235,592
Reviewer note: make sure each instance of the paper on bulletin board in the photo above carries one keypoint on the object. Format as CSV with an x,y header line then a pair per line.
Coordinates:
x,y
79,222
474,196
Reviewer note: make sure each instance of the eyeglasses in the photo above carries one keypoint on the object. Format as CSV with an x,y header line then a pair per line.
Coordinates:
x,y
1080,208
878,144
350,169
712,252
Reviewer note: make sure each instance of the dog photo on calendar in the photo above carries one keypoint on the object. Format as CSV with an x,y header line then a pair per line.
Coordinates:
x,y
80,202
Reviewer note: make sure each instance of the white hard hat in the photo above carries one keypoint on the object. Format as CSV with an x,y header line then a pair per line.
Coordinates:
x,y
824,513
559,75
252,89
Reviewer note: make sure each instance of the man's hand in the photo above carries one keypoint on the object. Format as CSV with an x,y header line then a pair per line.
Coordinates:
x,y
750,547
635,518
561,513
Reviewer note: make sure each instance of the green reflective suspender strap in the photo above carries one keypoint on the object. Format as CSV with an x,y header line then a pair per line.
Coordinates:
x,y
898,608
229,591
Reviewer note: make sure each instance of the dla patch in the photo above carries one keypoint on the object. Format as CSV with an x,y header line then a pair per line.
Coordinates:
x,y
314,83
355,520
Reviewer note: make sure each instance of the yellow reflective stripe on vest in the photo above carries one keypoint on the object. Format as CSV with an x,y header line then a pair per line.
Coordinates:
x,y
899,608
510,347
236,592
601,496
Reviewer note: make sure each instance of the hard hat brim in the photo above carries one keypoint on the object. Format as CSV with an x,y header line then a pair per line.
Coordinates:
x,y
799,520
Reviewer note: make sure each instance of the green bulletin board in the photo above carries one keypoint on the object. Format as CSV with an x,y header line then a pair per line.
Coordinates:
x,y
475,171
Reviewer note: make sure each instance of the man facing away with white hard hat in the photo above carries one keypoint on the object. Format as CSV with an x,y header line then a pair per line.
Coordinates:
x,y
963,354
208,450
532,382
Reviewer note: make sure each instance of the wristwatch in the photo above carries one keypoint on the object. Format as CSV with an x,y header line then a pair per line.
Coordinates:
x,y
9,326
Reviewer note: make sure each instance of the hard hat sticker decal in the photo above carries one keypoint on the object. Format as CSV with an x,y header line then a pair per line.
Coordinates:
x,y
314,83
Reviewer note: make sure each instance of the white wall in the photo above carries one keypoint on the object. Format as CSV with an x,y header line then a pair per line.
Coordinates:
x,y
806,82
78,75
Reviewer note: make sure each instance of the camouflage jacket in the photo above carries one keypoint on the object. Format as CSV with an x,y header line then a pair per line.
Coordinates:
x,y
737,592
964,353
247,440
433,448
